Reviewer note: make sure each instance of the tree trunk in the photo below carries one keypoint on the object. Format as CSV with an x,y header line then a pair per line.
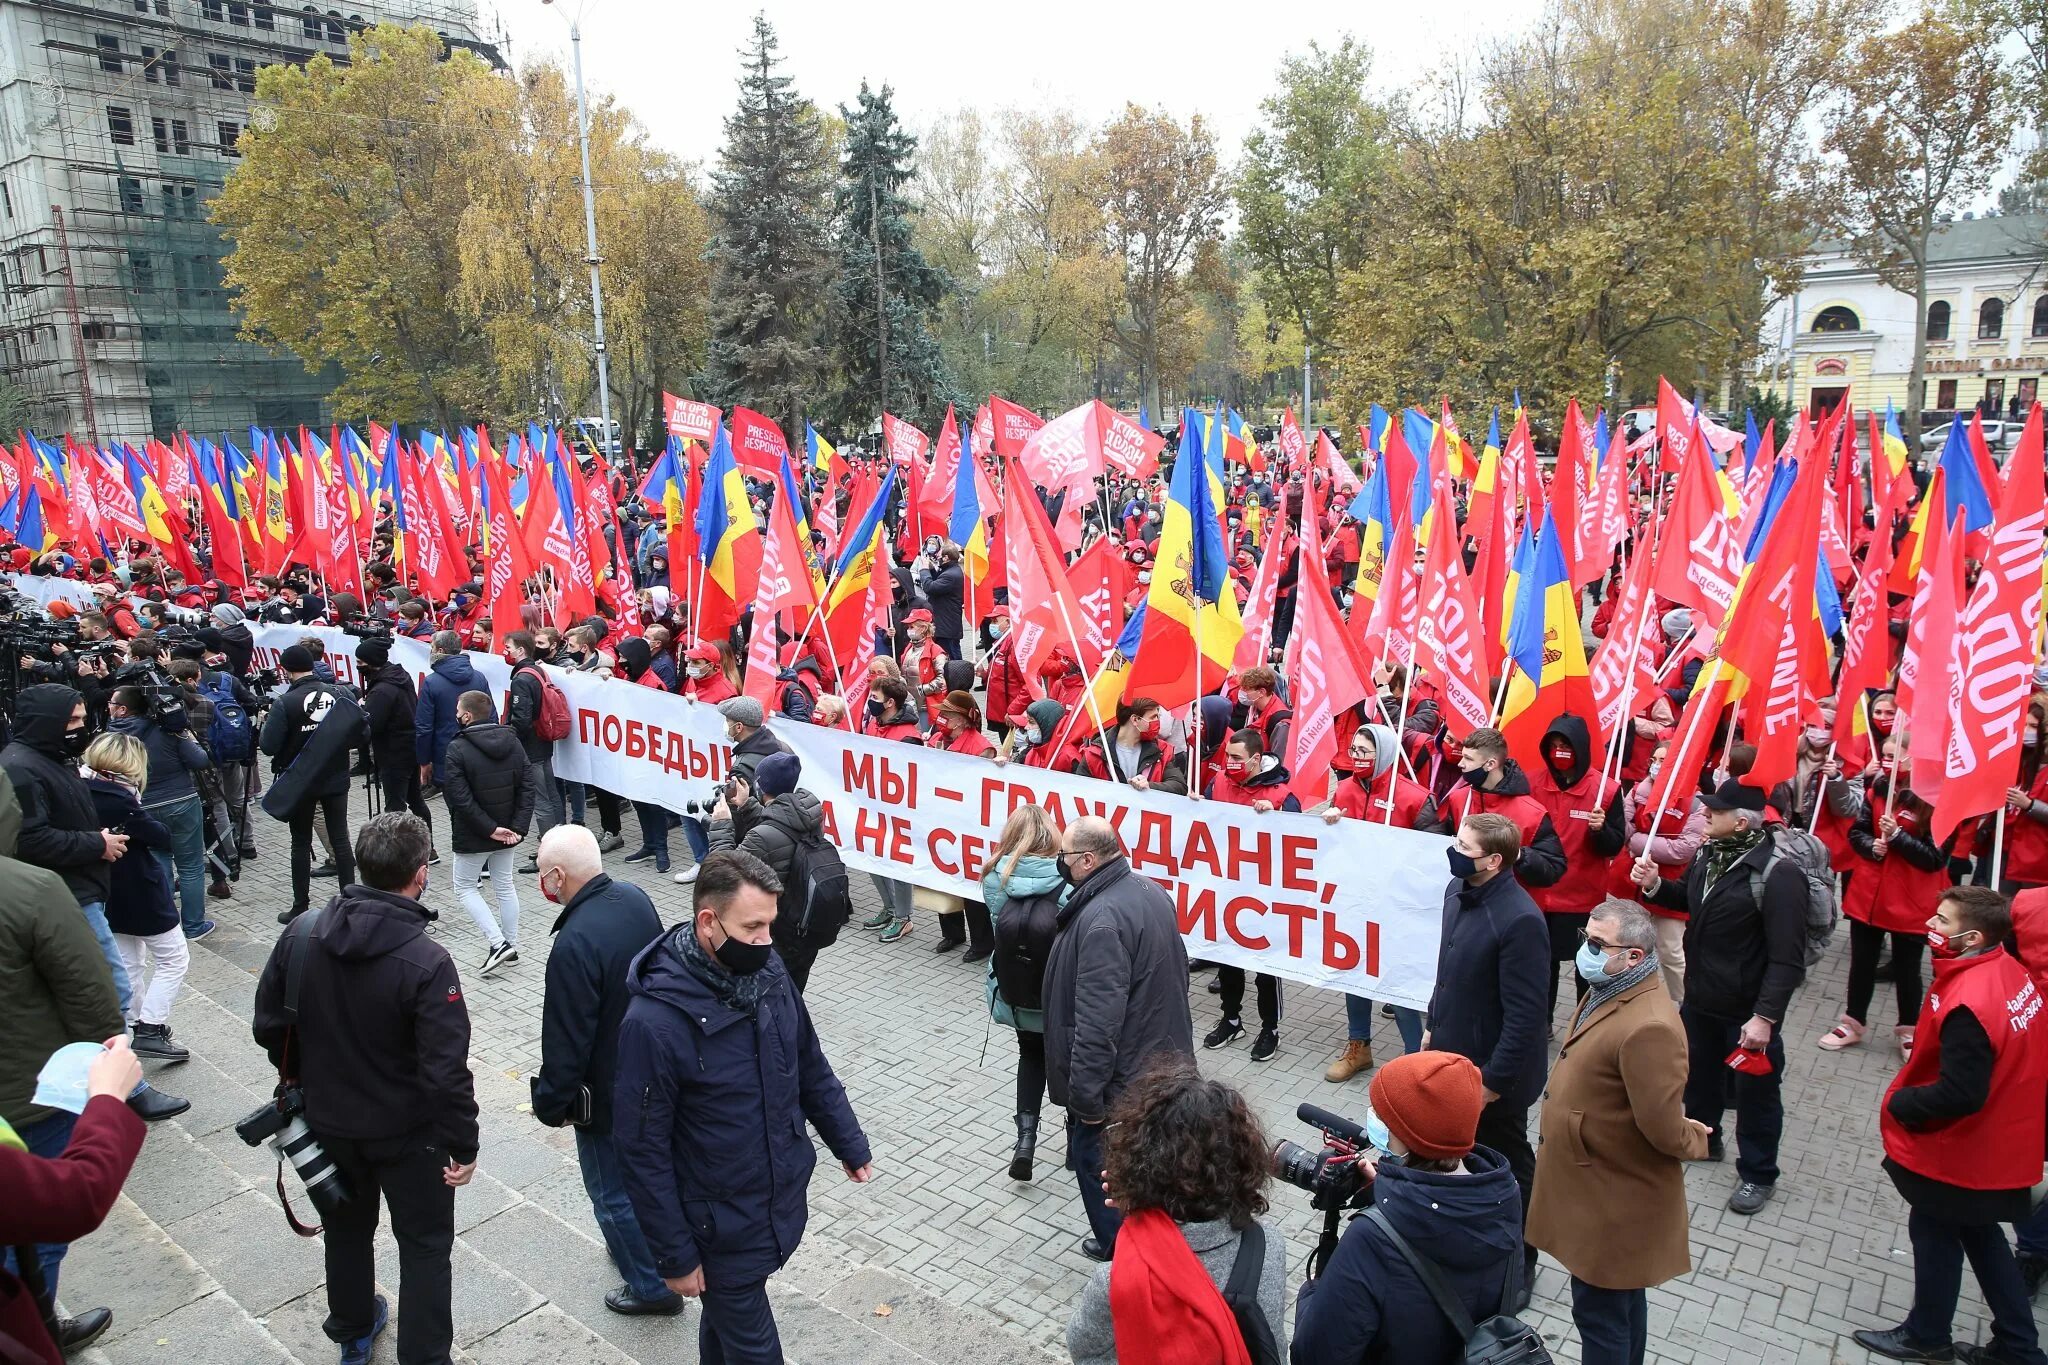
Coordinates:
x,y
1916,379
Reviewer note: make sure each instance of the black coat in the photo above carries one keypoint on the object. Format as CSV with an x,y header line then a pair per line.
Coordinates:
x,y
748,753
771,831
240,647
1115,989
709,1108
382,1041
1491,1001
60,830
173,759
488,785
522,711
389,699
139,896
1741,958
434,722
943,588
293,718
600,931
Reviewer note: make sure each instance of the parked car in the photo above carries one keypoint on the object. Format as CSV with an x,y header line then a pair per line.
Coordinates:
x,y
1998,436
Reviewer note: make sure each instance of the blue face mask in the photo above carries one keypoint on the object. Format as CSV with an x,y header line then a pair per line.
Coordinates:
x,y
1591,962
1376,1131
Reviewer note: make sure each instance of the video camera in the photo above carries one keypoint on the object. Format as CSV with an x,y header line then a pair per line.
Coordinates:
x,y
1333,1177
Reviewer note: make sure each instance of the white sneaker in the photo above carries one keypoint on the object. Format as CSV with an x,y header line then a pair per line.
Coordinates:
x,y
687,875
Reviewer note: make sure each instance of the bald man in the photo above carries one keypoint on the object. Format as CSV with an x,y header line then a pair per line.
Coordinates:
x,y
1116,994
603,926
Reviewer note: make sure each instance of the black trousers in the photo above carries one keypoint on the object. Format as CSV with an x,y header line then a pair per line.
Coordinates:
x,y
1614,1324
1233,996
1564,947
608,809
1938,1251
735,1326
1866,941
1030,1071
1710,1083
406,1173
334,810
400,789
1505,1128
797,960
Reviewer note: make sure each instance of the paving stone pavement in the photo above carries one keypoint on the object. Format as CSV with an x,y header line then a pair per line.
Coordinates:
x,y
970,1265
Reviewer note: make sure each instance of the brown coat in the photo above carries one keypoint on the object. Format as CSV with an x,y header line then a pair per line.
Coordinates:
x,y
1609,1201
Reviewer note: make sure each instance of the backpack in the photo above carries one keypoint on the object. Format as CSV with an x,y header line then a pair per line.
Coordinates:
x,y
1823,906
1502,1339
1025,928
229,735
815,899
551,722
1241,1292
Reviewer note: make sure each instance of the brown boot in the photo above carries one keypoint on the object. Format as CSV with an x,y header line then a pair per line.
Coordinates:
x,y
1355,1058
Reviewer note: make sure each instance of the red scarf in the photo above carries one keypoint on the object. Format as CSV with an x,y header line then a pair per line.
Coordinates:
x,y
1166,1309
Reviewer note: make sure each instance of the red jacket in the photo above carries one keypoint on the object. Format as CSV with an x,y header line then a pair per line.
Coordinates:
x,y
1999,1146
1353,800
712,689
904,729
61,1199
1008,690
1897,892
2026,839
1587,848
972,742
1270,785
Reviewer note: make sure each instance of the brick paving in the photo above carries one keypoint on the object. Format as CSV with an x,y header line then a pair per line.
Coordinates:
x,y
931,1081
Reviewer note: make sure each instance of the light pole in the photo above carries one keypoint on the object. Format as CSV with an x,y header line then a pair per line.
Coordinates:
x,y
604,378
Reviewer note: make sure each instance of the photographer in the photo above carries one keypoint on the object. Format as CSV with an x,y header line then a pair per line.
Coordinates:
x,y
311,720
236,642
771,817
231,738
1452,1201
171,796
380,1053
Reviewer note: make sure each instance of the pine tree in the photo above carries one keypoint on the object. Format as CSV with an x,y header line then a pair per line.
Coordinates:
x,y
887,357
771,252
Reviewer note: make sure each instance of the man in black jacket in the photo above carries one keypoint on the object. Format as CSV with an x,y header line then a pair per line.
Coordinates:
x,y
603,926
388,699
1745,953
380,1049
289,731
489,788
769,817
1488,1004
1115,995
944,587
522,713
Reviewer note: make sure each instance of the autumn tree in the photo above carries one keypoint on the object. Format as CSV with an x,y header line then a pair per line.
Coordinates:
x,y
1163,200
343,214
1920,130
773,268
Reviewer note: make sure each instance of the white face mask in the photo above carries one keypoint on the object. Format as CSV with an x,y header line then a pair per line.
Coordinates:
x,y
1817,736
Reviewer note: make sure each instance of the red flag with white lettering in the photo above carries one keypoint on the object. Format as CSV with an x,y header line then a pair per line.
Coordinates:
x,y
1448,628
1101,581
1328,679
757,444
1044,609
1617,696
1700,561
1932,639
689,419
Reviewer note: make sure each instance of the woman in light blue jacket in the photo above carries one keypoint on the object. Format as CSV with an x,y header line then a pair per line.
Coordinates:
x,y
1023,890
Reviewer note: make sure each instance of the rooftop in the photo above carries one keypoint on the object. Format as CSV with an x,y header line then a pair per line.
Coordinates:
x,y
1992,237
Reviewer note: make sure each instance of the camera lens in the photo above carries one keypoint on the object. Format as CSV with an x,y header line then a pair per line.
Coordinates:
x,y
1297,1165
322,1178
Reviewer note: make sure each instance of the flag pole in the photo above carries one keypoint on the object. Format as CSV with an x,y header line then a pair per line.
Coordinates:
x,y
1684,743
1998,847
1400,756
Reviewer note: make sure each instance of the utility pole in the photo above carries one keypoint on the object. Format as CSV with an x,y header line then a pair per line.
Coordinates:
x,y
881,292
604,377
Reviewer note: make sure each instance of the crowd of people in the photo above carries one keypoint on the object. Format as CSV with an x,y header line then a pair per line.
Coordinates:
x,y
685,1060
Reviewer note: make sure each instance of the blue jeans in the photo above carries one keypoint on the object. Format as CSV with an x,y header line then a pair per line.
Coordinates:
x,y
694,834
185,863
2033,1234
1358,1014
96,916
605,1183
45,1138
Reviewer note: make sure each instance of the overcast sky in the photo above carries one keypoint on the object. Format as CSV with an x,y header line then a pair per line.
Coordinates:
x,y
676,64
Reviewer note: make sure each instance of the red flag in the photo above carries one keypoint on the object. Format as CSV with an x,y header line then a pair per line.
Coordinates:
x,y
1620,678
1699,562
1770,633
1677,435
935,497
1044,609
1915,658
1069,452
426,550
1009,428
1489,581
783,583
120,516
1449,627
1102,582
1568,490
757,444
1519,471
688,419
1389,631
1931,641
1293,445
1328,679
905,444
1605,523
507,566
1866,650
1257,640
853,677
1679,777
1994,649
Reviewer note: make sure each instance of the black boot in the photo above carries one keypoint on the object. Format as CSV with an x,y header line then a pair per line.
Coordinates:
x,y
154,1040
952,931
1027,1147
981,935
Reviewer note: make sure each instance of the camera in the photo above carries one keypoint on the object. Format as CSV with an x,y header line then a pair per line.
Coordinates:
x,y
1332,1176
703,807
282,1124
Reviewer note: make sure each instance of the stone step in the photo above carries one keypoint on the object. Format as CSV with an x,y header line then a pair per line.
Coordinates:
x,y
200,1265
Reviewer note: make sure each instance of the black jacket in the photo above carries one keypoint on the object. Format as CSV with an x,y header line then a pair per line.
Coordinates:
x,y
771,831
173,759
943,588
382,1041
140,898
600,931
240,647
1115,989
293,718
60,830
487,784
389,699
1741,958
748,753
708,1118
522,710
1491,998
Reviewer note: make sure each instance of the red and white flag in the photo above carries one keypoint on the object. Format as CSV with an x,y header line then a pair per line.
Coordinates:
x,y
1448,639
1328,679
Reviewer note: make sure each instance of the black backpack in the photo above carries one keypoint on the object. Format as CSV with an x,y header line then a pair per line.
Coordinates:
x,y
815,900
1502,1339
1241,1292
1025,928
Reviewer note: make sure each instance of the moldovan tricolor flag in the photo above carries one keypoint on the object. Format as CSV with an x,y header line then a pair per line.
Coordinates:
x,y
847,603
1191,620
726,532
1546,654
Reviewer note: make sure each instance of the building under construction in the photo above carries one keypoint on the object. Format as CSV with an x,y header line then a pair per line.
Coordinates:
x,y
118,123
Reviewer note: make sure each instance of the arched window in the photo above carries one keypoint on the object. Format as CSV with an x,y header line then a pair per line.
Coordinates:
x,y
1990,320
1837,319
2041,316
1937,321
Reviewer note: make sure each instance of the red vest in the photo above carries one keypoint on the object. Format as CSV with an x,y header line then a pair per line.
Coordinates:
x,y
1582,887
1353,800
1526,811
2026,839
970,742
1621,885
713,688
1892,894
1999,1146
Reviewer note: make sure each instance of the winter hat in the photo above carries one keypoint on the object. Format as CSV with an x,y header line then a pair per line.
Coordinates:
x,y
228,614
1048,714
745,710
961,703
373,653
296,659
777,775
1431,1101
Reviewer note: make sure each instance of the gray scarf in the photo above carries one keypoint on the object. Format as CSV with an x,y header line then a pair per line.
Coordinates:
x,y
734,991
1604,988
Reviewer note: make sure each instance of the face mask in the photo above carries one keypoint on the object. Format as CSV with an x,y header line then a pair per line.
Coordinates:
x,y
1816,737
742,959
1474,776
877,707
1236,767
1145,576
998,630
1150,729
1376,1131
1941,945
1562,757
1591,962
2041,679
2030,736
1656,766
1463,865
1361,763
1721,776
553,897
1033,737
75,741
698,671
917,634
1066,869
1882,724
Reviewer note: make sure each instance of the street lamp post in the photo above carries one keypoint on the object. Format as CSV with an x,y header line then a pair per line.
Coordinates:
x,y
604,382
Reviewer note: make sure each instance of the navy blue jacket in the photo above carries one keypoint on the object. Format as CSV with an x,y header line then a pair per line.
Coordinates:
x,y
600,931
139,896
1368,1298
708,1118
1491,1002
173,758
433,719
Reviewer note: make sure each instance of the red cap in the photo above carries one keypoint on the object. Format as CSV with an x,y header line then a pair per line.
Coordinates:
x,y
915,617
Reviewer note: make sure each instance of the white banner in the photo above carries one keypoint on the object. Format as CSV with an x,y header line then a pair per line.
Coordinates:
x,y
1352,906
44,590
